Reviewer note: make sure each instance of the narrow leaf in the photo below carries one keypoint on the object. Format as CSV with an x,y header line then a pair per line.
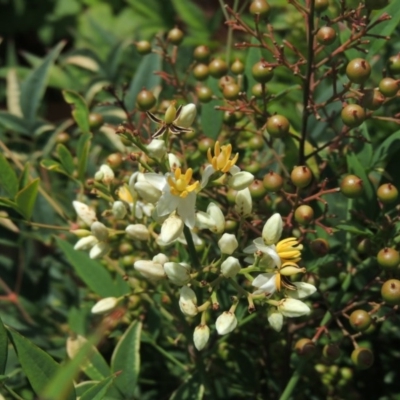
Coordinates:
x,y
8,177
83,154
26,198
80,110
52,165
67,161
33,88
13,123
92,273
3,348
191,389
390,146
126,360
24,177
98,391
37,365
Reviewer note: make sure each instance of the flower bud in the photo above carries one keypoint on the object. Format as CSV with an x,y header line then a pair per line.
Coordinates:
x,y
186,116
230,267
170,114
275,319
125,194
178,274
160,258
241,180
243,202
171,228
86,243
105,305
157,148
119,210
218,217
108,174
85,213
293,308
289,270
99,250
150,269
138,232
147,191
228,243
173,161
74,344
99,230
272,229
204,220
188,301
303,290
201,335
81,233
226,323
98,176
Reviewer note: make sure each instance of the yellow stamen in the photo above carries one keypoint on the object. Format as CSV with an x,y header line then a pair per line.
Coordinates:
x,y
180,185
278,282
289,251
125,195
221,160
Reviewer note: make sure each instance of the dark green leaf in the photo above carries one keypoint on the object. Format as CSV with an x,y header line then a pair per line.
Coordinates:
x,y
114,59
98,391
38,366
66,158
52,165
353,228
126,359
144,78
33,88
3,347
24,177
344,35
390,146
14,123
211,119
95,275
26,198
80,110
83,154
364,149
8,203
191,389
8,177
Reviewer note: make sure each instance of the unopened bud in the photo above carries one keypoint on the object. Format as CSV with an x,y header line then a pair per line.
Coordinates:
x,y
290,270
178,274
243,202
275,319
201,335
230,267
170,114
86,243
108,173
157,148
138,232
85,213
81,232
303,290
228,243
241,180
293,308
186,116
188,301
147,191
173,161
218,217
99,250
171,229
105,305
160,258
272,229
119,210
226,323
150,269
99,230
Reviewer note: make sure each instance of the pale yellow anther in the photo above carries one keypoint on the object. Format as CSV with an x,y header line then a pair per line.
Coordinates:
x,y
278,282
180,185
289,251
221,160
124,194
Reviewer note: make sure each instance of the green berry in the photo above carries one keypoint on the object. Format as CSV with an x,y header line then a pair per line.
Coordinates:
x,y
143,47
145,100
272,181
320,247
388,258
304,214
204,93
362,357
321,5
372,99
394,64
257,190
260,7
175,36
301,176
390,292
96,120
326,35
201,72
351,186
388,87
360,320
237,67
305,347
331,351
231,91
358,70
278,126
353,115
201,53
387,193
262,72
218,68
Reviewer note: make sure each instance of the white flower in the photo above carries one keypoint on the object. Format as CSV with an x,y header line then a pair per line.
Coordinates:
x,y
160,258
119,210
105,305
107,174
293,308
99,230
213,219
230,267
243,202
157,148
186,116
85,213
303,290
138,232
228,243
178,194
241,180
99,250
272,229
150,269
171,229
201,335
275,319
86,243
188,301
266,283
173,161
177,273
226,323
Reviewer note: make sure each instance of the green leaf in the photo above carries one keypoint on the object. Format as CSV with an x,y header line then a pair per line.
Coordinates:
x,y
52,165
80,110
386,150
3,348
191,389
98,391
211,119
14,123
144,78
126,360
8,177
67,161
95,275
26,198
364,150
83,154
344,35
24,177
354,228
38,366
33,88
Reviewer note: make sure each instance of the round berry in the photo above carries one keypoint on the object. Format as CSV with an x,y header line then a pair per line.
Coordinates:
x,y
360,320
256,142
364,246
231,91
115,160
278,126
225,80
331,351
272,181
205,144
145,100
175,36
230,225
394,64
387,193
376,4
63,137
301,176
96,120
390,292
353,115
372,99
320,247
261,72
362,357
237,67
218,68
321,5
304,214
326,35
201,72
143,47
388,258
351,186
358,70
257,190
257,91
388,87
305,347
260,7
201,53
204,93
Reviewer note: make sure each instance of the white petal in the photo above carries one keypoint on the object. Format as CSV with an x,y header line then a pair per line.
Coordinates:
x,y
250,249
275,319
166,204
234,170
157,180
85,213
171,228
304,290
99,250
262,279
293,308
187,116
208,171
186,209
269,250
218,216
